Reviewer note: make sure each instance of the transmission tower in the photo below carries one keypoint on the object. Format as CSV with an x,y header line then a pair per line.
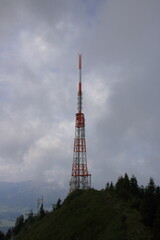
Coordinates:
x,y
80,178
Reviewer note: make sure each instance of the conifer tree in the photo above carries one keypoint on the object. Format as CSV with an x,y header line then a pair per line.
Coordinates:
x,y
41,212
9,234
2,235
134,189
30,218
58,205
148,208
18,225
123,186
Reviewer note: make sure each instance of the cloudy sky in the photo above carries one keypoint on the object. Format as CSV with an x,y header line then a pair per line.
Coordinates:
x,y
39,46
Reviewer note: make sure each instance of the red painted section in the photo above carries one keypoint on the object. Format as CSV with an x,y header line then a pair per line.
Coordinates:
x,y
79,145
80,121
80,170
80,89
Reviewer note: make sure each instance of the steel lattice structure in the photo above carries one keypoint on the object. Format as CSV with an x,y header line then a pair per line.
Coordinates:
x,y
80,178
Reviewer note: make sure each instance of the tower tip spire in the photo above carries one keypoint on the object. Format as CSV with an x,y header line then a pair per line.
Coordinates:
x,y
80,61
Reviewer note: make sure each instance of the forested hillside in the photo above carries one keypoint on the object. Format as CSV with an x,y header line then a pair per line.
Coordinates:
x,y
123,211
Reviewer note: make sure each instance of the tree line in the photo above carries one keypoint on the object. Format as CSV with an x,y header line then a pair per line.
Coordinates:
x,y
22,223
145,199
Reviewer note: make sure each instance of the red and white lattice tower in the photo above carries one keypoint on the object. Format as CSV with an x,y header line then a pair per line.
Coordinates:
x,y
80,178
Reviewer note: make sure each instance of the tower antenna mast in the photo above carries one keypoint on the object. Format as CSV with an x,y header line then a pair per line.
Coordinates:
x,y
80,178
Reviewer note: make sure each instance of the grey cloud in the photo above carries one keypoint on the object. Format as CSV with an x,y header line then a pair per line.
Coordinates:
x,y
126,139
40,42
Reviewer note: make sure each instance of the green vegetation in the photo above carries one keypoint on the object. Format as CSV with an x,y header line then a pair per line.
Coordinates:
x,y
121,212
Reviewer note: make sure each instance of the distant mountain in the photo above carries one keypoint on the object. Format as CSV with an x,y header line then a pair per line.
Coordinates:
x,y
19,198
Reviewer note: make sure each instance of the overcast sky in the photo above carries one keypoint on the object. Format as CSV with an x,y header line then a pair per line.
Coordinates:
x,y
39,46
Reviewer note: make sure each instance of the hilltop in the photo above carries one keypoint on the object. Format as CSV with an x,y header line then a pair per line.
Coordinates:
x,y
89,215
124,211
121,212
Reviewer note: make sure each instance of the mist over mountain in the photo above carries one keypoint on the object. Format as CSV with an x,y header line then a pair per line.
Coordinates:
x,y
22,197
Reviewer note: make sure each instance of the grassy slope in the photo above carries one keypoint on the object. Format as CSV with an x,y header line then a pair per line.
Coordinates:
x,y
91,215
